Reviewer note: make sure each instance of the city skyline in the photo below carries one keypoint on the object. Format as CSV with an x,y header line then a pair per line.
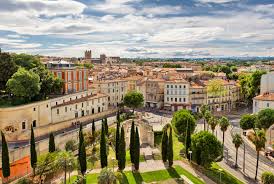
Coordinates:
x,y
139,28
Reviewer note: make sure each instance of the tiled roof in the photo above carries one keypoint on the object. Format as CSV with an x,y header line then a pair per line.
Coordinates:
x,y
266,97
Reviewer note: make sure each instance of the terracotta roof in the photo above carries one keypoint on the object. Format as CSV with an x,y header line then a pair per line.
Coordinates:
x,y
266,97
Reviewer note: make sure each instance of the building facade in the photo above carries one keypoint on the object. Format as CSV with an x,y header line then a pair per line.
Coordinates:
x,y
154,95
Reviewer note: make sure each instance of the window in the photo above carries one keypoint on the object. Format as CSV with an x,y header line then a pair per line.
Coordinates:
x,y
56,103
70,99
64,101
80,75
34,109
171,86
267,104
57,111
180,99
23,125
171,99
76,106
167,99
175,99
74,75
167,91
59,74
184,99
69,76
180,86
34,123
175,86
82,104
184,86
76,114
99,109
92,111
47,105
66,109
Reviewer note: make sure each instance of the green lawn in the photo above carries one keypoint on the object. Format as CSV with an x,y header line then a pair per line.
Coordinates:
x,y
137,178
226,178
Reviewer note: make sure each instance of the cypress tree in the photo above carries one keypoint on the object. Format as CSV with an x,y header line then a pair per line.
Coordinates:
x,y
170,148
106,126
5,157
188,142
81,138
51,143
33,154
103,149
83,159
136,150
122,151
117,141
164,145
118,116
93,128
131,143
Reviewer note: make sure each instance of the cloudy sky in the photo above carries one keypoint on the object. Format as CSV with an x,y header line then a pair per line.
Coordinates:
x,y
138,28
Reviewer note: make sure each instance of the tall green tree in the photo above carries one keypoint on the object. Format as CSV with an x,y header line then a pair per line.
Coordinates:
x,y
5,157
51,143
208,115
26,60
131,143
81,138
82,157
136,150
106,126
93,128
103,149
224,124
117,140
248,121
203,110
170,148
118,116
237,141
188,142
180,121
213,122
259,142
134,100
216,89
164,145
122,151
205,148
265,119
7,68
33,154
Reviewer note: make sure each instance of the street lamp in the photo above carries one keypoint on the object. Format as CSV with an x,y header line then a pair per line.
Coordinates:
x,y
113,161
220,171
190,153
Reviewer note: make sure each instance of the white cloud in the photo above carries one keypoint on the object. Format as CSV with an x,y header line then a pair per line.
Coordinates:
x,y
216,1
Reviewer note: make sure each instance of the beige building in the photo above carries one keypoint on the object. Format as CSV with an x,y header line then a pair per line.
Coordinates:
x,y
154,93
197,96
51,115
176,95
263,101
114,89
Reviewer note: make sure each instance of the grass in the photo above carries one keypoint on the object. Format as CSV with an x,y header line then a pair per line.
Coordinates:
x,y
130,177
226,178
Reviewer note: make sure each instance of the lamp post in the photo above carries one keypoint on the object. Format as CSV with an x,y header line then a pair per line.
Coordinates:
x,y
113,160
190,153
220,171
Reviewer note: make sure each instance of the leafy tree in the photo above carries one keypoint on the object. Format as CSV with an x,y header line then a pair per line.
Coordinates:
x,y
216,88
213,122
46,165
204,109
237,141
24,83
136,150
134,99
259,142
7,69
188,142
122,151
207,116
267,178
256,81
51,143
65,161
265,119
224,124
180,121
93,128
82,157
117,141
27,61
131,143
106,177
70,145
170,148
248,121
5,157
103,149
164,145
33,154
205,148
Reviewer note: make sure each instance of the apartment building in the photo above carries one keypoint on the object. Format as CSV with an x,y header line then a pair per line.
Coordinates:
x,y
51,115
154,93
75,78
197,96
114,89
176,95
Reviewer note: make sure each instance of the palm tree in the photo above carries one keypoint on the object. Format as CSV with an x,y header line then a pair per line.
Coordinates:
x,y
65,161
106,176
259,142
204,109
208,115
224,124
237,141
213,122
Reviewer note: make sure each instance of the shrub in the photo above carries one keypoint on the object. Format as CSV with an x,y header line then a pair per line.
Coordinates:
x,y
267,178
70,145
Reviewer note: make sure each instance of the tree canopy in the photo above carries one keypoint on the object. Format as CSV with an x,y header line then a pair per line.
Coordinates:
x,y
181,120
248,121
265,118
24,83
134,99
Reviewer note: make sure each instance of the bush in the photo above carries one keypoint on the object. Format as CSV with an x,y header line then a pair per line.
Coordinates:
x,y
267,178
70,145
24,181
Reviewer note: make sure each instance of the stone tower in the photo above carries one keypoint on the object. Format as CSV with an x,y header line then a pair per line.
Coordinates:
x,y
88,54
